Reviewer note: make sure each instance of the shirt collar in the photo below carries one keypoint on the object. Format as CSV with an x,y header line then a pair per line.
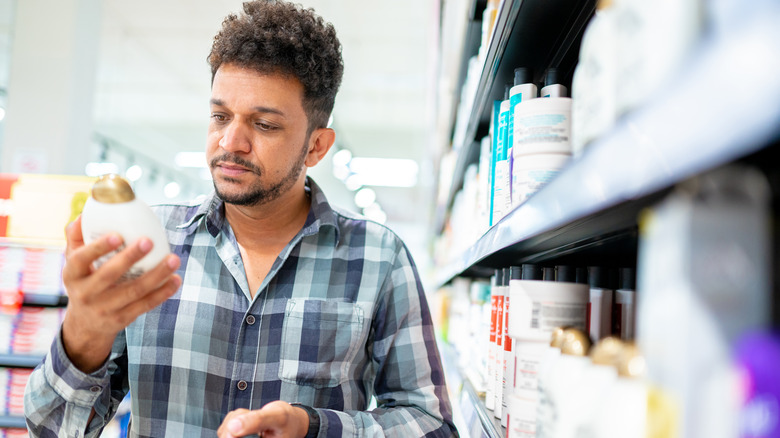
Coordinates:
x,y
320,213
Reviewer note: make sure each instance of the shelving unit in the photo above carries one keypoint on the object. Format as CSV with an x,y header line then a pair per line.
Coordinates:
x,y
37,299
531,33
591,210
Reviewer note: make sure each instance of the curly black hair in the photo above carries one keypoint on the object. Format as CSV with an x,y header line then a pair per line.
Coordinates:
x,y
274,36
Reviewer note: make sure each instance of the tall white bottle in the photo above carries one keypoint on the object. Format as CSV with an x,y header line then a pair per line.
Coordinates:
x,y
113,208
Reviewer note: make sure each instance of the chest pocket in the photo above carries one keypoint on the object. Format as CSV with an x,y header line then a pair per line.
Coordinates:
x,y
320,340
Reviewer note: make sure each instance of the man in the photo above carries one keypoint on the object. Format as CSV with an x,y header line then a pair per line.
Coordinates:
x,y
270,297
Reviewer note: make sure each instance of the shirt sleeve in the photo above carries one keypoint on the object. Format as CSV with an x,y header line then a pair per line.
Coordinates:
x,y
59,399
410,389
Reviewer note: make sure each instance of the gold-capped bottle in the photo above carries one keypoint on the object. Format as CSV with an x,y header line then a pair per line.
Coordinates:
x,y
113,208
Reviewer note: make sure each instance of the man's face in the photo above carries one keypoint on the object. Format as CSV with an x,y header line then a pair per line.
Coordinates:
x,y
257,141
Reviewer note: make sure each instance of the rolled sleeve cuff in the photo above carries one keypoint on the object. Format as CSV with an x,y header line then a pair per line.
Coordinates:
x,y
73,385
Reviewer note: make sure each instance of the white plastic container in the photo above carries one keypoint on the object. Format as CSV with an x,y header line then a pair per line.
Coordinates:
x,y
542,126
113,208
576,412
625,305
544,305
563,376
623,412
532,172
594,81
601,298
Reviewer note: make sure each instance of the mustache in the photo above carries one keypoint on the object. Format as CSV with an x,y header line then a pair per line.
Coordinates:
x,y
234,159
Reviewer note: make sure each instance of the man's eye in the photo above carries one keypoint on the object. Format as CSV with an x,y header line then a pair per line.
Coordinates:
x,y
218,117
265,126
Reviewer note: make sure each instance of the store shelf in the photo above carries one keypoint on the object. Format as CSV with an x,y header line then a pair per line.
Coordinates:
x,y
14,242
597,197
12,422
45,300
19,361
528,33
478,420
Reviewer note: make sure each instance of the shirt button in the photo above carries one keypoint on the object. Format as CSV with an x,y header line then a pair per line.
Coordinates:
x,y
250,320
95,389
242,385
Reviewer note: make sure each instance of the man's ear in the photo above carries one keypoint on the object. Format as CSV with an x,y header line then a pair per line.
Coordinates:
x,y
320,142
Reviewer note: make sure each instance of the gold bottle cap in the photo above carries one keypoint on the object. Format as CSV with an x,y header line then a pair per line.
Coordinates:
x,y
112,189
556,339
630,362
575,342
607,351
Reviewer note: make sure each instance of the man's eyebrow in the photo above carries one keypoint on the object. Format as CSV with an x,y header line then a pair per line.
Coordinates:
x,y
259,109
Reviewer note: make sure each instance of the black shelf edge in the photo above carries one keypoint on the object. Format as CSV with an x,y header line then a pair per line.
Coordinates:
x,y
45,300
20,360
681,133
12,422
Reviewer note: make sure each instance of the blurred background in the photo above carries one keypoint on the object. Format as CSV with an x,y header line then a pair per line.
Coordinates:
x,y
108,85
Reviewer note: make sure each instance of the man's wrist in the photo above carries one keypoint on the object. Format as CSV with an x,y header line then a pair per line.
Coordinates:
x,y
314,420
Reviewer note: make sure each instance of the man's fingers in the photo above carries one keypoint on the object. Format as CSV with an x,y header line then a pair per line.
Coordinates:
x,y
271,416
223,432
118,265
80,260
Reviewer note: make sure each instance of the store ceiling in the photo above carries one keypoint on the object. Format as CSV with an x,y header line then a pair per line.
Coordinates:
x,y
153,84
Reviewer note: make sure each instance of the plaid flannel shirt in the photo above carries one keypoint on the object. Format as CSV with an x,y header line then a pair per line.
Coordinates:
x,y
341,317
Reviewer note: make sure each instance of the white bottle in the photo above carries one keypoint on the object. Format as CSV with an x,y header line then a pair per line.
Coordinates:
x,y
600,318
623,411
575,418
551,86
113,208
564,374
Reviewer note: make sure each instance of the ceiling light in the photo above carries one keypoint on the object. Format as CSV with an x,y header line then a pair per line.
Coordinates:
x,y
134,172
172,190
365,197
98,169
342,157
375,213
190,159
388,172
353,183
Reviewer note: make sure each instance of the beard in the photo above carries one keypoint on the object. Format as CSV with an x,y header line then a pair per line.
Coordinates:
x,y
258,193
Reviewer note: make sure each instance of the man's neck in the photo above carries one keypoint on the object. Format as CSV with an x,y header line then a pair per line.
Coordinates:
x,y
272,224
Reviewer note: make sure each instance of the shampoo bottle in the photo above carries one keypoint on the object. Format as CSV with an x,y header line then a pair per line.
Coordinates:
x,y
564,375
113,208
552,88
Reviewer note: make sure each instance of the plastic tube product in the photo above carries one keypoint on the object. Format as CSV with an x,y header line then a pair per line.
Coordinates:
x,y
521,418
498,374
600,304
552,87
508,382
490,393
113,208
523,90
502,203
625,305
